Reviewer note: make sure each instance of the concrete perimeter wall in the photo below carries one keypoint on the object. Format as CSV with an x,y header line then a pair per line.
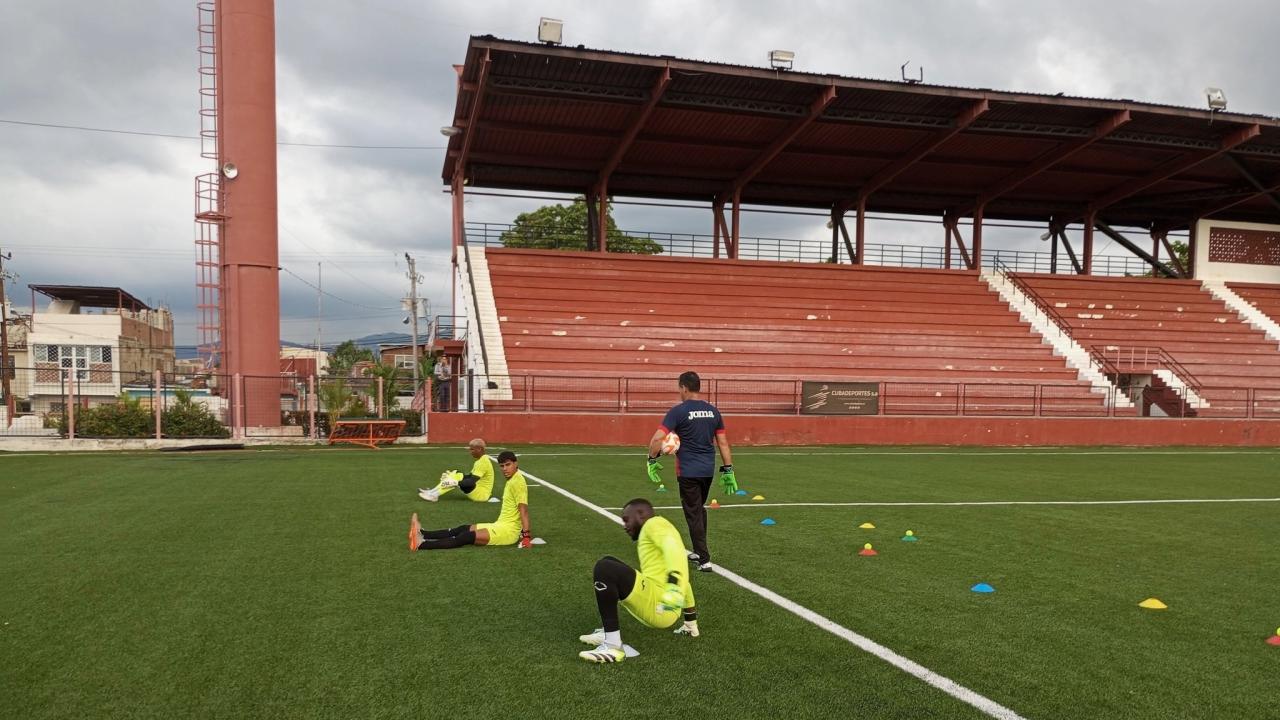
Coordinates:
x,y
590,429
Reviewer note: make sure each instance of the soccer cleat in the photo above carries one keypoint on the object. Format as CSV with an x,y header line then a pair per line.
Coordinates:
x,y
688,629
603,654
595,637
694,558
415,533
704,567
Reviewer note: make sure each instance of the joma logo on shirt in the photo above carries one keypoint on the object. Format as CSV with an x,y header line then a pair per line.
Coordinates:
x,y
701,414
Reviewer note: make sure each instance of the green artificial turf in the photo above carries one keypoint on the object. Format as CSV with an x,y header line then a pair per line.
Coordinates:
x,y
277,584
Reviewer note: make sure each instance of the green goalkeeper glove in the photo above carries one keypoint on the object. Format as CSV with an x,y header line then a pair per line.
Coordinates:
x,y
450,478
672,598
727,479
655,468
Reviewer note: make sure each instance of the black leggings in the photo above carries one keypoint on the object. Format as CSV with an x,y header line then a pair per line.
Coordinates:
x,y
447,539
614,581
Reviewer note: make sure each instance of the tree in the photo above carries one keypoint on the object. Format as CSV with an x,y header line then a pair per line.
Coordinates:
x,y
390,375
564,227
1182,252
346,355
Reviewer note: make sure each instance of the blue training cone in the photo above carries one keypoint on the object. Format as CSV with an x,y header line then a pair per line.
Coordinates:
x,y
662,488
982,588
741,492
768,521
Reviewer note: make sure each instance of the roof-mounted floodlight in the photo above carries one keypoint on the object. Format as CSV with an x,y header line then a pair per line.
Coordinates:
x,y
781,59
1217,99
450,130
550,31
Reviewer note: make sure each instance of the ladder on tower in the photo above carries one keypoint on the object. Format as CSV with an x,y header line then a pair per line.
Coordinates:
x,y
209,200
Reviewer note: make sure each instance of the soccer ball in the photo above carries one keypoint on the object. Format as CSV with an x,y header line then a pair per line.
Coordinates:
x,y
670,443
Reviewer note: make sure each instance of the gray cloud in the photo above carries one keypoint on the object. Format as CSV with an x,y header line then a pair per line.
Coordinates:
x,y
116,210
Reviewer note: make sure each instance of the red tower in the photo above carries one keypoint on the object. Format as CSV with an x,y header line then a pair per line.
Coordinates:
x,y
236,209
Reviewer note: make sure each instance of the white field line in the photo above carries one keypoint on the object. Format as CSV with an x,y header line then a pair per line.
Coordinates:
x,y
1170,501
920,672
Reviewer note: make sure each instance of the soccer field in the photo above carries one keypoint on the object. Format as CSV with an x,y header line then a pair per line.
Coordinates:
x,y
277,584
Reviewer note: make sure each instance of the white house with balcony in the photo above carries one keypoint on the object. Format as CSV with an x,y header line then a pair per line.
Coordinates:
x,y
98,340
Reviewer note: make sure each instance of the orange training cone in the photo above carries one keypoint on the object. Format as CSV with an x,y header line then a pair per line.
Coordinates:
x,y
868,551
714,504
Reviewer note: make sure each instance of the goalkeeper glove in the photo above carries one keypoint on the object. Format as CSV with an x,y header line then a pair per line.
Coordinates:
x,y
450,478
673,597
655,468
525,540
728,480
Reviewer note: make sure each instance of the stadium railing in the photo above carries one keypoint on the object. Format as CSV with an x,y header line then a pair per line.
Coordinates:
x,y
698,245
773,396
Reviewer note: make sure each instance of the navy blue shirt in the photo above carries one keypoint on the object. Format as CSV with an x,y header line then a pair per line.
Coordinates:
x,y
697,422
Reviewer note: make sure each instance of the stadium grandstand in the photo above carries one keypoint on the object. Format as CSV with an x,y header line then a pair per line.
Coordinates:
x,y
1004,340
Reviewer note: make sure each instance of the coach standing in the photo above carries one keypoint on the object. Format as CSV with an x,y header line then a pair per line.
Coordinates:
x,y
701,430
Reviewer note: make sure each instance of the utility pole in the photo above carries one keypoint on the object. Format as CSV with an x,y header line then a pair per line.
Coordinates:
x,y
4,346
413,315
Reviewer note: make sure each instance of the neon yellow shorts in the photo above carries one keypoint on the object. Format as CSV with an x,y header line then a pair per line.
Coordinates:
x,y
642,603
501,534
478,495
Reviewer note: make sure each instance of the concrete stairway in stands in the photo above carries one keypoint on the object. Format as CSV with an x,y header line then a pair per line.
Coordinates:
x,y
1251,308
1062,343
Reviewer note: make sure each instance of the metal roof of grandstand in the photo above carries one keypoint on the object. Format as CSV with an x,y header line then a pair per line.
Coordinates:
x,y
551,118
92,296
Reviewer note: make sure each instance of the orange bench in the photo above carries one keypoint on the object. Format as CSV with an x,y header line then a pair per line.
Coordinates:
x,y
369,433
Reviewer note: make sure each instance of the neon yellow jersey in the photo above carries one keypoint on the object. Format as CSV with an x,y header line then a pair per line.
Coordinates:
x,y
515,494
661,551
483,471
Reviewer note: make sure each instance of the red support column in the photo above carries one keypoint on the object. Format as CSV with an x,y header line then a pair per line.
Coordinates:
x,y
157,400
737,217
947,223
1087,264
312,401
976,263
860,232
602,218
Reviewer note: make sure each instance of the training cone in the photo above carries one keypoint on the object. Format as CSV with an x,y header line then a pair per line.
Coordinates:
x,y
867,551
714,504
662,488
866,526
982,588
1274,639
1153,604
768,521
758,497
741,492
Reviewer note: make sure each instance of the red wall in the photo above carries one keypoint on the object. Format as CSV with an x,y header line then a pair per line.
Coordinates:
x,y
553,428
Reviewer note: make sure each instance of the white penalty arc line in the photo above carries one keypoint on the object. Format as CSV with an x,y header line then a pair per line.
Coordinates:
x,y
920,672
958,452
1171,501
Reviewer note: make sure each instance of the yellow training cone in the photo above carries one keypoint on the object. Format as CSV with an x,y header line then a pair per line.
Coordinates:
x,y
1153,604
867,526
758,497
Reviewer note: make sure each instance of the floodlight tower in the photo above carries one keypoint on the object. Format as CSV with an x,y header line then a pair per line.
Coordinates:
x,y
239,200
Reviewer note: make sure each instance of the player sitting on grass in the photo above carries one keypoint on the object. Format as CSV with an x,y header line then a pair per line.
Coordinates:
x,y
655,595
477,485
511,526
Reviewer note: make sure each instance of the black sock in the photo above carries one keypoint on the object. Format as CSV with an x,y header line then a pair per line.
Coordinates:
x,y
614,581
462,539
444,534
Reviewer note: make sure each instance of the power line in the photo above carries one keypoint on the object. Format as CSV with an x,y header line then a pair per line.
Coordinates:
x,y
313,286
143,133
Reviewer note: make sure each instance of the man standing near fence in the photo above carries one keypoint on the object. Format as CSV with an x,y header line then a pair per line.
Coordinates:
x,y
701,430
443,375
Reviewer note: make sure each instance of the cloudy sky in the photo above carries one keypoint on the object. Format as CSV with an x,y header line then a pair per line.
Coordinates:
x,y
98,208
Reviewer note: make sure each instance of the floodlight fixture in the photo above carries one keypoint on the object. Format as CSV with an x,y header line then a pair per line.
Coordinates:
x,y
230,171
550,31
1046,235
450,130
1216,98
781,59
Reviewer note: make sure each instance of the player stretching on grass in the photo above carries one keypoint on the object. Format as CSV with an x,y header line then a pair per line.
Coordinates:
x,y
476,485
655,594
512,524
701,431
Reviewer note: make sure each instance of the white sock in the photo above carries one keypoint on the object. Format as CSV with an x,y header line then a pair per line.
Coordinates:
x,y
613,639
